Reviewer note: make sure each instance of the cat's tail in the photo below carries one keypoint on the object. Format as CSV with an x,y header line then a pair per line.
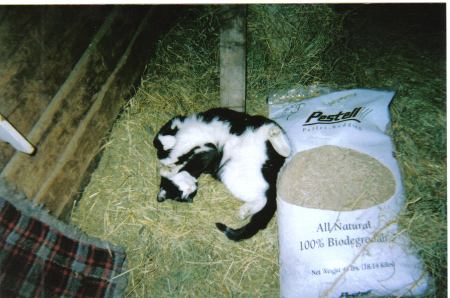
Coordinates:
x,y
260,219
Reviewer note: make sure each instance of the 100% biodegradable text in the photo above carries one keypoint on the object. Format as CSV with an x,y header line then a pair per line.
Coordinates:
x,y
336,242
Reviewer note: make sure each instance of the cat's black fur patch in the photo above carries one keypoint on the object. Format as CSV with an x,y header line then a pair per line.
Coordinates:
x,y
205,162
236,120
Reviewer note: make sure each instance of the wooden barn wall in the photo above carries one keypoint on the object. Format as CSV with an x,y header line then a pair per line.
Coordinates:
x,y
65,72
39,46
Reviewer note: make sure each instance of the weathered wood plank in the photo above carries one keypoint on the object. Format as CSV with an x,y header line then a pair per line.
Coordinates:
x,y
39,46
69,132
233,56
105,110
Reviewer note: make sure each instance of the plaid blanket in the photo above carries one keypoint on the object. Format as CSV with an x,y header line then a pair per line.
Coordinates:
x,y
39,260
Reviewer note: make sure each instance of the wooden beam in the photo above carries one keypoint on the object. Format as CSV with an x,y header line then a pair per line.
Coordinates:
x,y
233,28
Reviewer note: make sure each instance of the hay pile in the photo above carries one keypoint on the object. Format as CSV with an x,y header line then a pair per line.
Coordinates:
x,y
173,248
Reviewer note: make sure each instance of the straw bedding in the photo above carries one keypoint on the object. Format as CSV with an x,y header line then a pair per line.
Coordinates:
x,y
335,178
173,248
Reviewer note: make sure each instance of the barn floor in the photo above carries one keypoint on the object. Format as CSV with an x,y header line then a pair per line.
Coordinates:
x,y
174,249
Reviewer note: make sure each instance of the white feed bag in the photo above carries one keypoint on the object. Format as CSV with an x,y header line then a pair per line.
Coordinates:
x,y
339,194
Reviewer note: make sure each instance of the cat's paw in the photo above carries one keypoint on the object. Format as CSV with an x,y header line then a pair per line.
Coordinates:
x,y
252,207
245,210
169,171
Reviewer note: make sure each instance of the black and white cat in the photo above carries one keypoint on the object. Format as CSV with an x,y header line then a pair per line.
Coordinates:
x,y
244,152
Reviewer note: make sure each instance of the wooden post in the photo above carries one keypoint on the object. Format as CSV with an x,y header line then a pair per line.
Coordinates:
x,y
233,28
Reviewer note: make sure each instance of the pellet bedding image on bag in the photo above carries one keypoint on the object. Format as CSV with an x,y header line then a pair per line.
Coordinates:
x,y
339,195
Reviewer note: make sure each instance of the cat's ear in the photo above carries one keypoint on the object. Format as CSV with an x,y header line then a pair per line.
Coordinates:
x,y
168,142
279,141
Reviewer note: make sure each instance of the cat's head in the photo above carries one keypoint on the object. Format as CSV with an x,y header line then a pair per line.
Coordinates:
x,y
181,187
179,181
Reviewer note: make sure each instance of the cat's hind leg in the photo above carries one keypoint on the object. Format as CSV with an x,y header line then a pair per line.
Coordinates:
x,y
279,141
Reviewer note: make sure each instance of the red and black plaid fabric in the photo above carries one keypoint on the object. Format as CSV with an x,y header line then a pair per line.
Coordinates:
x,y
37,260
